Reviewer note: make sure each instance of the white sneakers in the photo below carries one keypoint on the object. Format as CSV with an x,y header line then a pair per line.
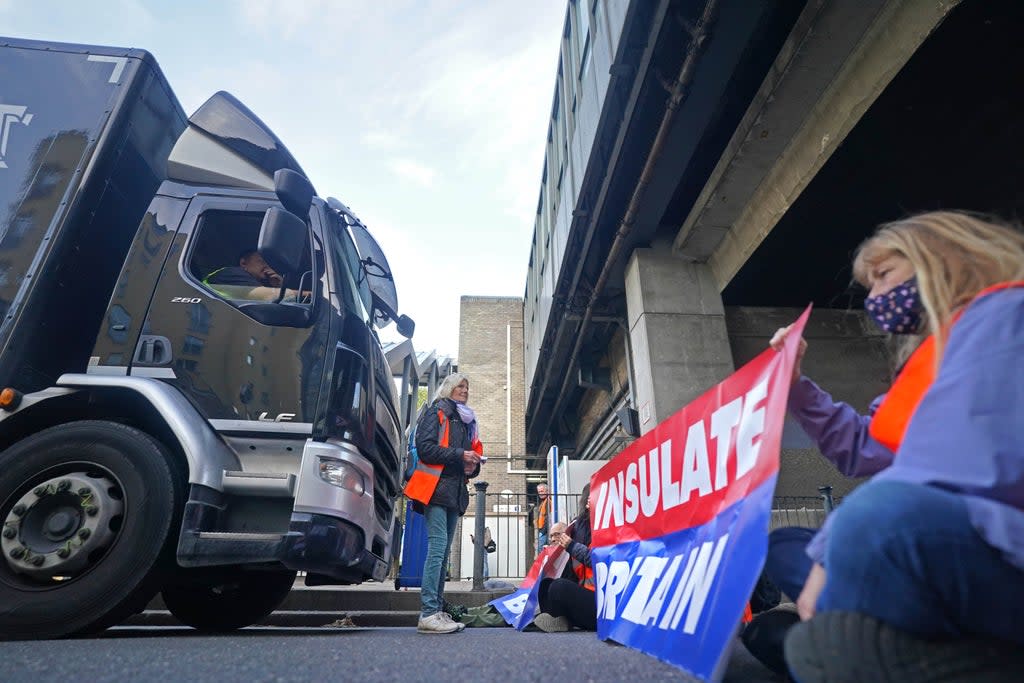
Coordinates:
x,y
439,622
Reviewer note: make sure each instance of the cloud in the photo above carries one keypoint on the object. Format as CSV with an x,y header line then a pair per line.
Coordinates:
x,y
413,171
380,139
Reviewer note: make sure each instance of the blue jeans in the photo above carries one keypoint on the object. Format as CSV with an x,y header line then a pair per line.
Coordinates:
x,y
787,564
441,523
908,555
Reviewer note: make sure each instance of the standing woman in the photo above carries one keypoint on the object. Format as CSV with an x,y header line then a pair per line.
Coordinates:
x,y
449,449
919,574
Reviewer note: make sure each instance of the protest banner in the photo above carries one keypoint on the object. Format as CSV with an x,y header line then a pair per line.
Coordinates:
x,y
519,607
680,518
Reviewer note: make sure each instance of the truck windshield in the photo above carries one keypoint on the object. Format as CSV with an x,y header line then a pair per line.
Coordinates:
x,y
350,271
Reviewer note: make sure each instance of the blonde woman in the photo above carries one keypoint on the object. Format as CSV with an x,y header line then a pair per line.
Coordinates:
x,y
449,448
922,568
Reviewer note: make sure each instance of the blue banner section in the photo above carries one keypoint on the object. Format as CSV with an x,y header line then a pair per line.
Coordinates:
x,y
671,596
512,607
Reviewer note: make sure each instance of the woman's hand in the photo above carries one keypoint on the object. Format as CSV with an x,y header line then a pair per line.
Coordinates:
x,y
777,341
808,600
470,461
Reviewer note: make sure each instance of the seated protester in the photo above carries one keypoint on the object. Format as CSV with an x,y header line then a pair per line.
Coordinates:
x,y
565,603
252,279
919,574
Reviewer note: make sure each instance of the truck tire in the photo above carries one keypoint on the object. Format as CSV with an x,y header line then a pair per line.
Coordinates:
x,y
90,512
227,601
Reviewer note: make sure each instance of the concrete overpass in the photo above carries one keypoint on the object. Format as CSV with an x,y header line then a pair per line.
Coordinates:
x,y
721,161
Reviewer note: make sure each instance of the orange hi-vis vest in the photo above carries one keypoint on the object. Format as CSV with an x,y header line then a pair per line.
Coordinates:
x,y
423,481
890,421
584,574
542,516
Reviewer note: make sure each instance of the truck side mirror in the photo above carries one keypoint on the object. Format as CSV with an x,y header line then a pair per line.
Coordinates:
x,y
294,191
405,326
284,239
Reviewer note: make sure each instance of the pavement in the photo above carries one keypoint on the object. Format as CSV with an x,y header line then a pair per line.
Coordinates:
x,y
376,618
295,655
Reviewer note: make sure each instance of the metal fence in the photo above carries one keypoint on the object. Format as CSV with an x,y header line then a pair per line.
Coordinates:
x,y
512,517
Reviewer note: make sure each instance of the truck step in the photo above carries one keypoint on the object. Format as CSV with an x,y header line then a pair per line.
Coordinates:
x,y
238,536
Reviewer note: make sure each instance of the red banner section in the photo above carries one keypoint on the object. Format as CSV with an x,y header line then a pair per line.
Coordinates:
x,y
697,462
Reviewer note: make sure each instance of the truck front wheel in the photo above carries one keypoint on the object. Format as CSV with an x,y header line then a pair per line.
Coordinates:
x,y
89,511
224,601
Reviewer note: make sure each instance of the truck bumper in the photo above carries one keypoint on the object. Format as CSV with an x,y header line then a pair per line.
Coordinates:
x,y
330,547
334,532
341,534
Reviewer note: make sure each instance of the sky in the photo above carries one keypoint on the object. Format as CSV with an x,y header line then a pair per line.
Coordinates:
x,y
427,117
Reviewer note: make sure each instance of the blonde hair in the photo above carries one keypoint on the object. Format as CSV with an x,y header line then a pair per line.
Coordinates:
x,y
955,255
448,385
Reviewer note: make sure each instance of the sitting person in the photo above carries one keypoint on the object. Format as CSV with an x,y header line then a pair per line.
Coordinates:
x,y
565,603
252,279
919,574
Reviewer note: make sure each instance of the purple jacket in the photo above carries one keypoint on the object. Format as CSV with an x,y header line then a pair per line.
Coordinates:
x,y
966,436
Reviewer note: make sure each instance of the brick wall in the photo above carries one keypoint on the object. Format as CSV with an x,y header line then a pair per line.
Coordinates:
x,y
484,326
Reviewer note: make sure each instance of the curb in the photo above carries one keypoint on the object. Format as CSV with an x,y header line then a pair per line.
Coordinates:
x,y
296,619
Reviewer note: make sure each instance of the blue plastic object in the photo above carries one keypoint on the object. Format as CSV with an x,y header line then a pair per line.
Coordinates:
x,y
414,549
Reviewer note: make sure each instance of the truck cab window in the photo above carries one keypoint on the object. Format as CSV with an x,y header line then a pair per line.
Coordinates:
x,y
224,260
346,257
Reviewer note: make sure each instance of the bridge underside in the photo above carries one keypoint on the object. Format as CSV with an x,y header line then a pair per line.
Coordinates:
x,y
832,118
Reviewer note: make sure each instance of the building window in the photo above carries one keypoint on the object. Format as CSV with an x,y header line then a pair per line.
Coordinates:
x,y
583,35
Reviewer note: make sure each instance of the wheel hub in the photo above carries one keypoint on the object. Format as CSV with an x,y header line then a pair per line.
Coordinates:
x,y
60,525
53,529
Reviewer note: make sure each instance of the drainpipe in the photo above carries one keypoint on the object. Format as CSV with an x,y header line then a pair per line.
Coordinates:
x,y
677,93
508,404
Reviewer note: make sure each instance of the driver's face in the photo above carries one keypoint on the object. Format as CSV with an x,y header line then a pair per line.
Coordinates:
x,y
259,269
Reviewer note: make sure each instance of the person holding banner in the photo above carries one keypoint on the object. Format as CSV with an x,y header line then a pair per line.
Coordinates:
x,y
565,603
922,568
449,448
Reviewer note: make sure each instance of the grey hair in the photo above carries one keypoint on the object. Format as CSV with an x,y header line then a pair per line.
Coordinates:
x,y
448,385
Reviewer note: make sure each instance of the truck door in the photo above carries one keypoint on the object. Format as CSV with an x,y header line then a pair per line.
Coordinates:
x,y
244,362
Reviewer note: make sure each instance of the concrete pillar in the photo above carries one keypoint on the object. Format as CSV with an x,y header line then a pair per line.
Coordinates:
x,y
847,356
678,332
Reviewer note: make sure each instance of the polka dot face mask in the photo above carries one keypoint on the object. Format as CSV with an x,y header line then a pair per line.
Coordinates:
x,y
898,311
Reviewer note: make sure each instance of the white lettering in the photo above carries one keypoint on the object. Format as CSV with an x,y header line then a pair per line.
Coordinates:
x,y
613,509
751,427
649,572
696,471
650,484
632,494
669,488
618,578
693,589
723,421
517,604
602,496
654,605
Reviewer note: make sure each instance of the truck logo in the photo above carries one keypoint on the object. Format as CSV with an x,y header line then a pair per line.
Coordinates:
x,y
282,417
10,114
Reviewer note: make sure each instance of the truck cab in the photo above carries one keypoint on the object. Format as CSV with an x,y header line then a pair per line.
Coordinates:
x,y
229,427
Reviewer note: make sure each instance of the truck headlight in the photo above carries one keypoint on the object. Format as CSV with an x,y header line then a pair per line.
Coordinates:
x,y
342,474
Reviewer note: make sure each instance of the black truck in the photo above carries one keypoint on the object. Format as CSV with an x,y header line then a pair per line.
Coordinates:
x,y
163,429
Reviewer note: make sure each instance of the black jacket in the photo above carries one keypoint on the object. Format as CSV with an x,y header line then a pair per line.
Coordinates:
x,y
451,491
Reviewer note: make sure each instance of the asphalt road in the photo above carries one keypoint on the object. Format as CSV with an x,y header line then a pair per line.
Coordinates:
x,y
283,655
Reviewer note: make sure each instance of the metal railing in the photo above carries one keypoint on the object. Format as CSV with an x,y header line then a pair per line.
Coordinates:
x,y
512,521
